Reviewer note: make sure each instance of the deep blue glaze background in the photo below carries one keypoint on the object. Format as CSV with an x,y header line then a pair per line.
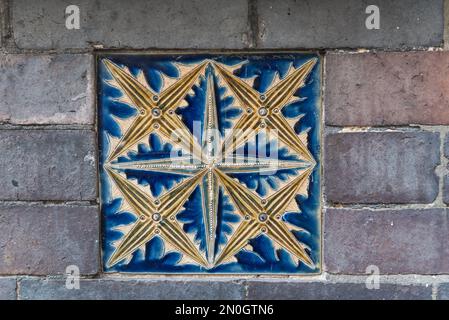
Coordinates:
x,y
264,258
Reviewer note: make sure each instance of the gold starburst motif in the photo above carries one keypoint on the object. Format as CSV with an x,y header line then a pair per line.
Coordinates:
x,y
228,157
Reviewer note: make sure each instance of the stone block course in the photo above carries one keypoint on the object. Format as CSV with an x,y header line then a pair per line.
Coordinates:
x,y
46,89
48,165
381,89
41,239
296,290
132,24
381,167
408,241
341,24
126,289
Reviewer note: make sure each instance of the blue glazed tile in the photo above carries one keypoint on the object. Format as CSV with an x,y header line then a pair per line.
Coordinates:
x,y
210,163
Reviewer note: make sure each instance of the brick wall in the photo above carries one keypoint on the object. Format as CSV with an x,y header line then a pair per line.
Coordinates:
x,y
385,141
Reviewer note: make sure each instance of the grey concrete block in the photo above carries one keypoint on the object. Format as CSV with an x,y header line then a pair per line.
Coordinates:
x,y
132,289
46,89
47,165
45,239
387,88
296,290
381,167
341,24
7,288
409,241
132,24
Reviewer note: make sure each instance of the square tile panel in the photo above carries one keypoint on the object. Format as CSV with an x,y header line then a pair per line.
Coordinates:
x,y
210,163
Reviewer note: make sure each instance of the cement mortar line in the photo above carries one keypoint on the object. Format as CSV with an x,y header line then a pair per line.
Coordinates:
x,y
435,288
385,128
80,127
98,49
325,278
326,129
382,50
383,206
49,203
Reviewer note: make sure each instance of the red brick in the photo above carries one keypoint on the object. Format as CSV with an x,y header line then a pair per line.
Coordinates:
x,y
389,88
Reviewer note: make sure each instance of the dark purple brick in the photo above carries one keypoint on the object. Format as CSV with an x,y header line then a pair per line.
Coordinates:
x,y
381,167
396,241
132,289
48,165
40,239
393,88
295,290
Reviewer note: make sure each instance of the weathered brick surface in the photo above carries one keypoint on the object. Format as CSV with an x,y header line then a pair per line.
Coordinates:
x,y
446,177
446,146
295,290
393,88
126,289
132,23
443,291
381,167
45,239
341,24
47,165
2,21
446,189
397,241
7,288
46,89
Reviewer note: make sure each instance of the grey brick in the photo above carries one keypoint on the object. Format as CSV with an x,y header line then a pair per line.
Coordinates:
x,y
295,290
446,146
341,24
47,165
2,21
443,291
46,89
392,88
132,289
381,167
397,241
7,288
446,189
132,24
45,239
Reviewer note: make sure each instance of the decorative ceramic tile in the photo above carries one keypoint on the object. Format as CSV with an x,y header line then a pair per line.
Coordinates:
x,y
210,164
